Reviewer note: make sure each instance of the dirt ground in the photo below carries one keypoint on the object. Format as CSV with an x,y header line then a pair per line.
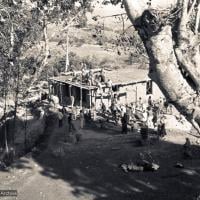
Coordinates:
x,y
90,170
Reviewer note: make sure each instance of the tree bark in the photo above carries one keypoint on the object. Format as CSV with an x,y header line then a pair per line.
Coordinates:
x,y
165,59
46,53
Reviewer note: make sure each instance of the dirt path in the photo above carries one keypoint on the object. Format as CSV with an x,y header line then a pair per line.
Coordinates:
x,y
90,170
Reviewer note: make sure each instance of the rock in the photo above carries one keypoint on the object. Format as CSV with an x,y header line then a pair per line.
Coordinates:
x,y
149,166
124,167
131,167
2,165
179,165
198,141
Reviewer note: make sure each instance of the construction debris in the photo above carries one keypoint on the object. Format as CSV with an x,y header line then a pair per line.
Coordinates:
x,y
139,167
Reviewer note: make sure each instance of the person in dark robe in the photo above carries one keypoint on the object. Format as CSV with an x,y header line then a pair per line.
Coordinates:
x,y
124,124
70,122
150,102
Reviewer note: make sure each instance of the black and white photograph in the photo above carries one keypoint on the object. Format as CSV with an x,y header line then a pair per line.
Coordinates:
x,y
99,99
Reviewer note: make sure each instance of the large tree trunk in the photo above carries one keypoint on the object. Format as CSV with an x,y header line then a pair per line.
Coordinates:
x,y
167,54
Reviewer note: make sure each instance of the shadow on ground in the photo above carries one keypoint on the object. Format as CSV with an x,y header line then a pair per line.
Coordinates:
x,y
92,168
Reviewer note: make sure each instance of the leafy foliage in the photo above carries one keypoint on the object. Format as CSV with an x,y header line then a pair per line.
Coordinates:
x,y
21,27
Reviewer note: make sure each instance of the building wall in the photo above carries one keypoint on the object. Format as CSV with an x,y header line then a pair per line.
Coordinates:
x,y
134,92
63,93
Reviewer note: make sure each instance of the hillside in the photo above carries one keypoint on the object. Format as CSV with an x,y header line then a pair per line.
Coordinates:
x,y
87,44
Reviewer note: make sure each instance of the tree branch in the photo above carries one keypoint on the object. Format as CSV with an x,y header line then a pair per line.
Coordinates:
x,y
191,8
197,19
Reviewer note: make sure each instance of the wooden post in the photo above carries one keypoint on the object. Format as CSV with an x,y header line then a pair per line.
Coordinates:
x,y
49,88
70,93
90,97
61,96
81,97
95,100
81,93
136,93
70,90
67,53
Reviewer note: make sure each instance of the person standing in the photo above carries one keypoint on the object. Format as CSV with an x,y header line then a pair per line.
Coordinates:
x,y
70,122
140,104
82,119
109,85
166,105
155,116
60,119
161,127
187,151
150,102
150,117
128,113
124,124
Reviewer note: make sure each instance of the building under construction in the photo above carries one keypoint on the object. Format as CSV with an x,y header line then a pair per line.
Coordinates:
x,y
128,84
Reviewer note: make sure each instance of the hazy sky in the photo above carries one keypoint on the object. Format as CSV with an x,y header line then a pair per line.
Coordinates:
x,y
107,10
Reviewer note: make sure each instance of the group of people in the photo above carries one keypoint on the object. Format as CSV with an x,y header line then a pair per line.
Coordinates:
x,y
135,115
75,119
70,119
151,114
88,76
91,78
